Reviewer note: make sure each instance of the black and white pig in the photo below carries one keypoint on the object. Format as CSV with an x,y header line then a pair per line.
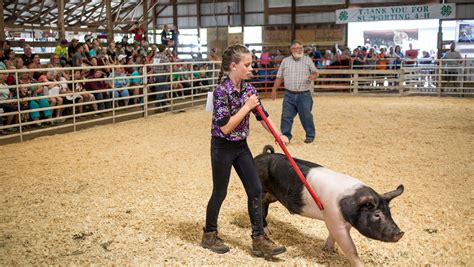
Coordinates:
x,y
347,201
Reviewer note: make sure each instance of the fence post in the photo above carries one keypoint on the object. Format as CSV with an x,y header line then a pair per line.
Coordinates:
x,y
145,90
74,102
356,83
19,107
439,76
401,79
463,76
171,86
192,84
113,95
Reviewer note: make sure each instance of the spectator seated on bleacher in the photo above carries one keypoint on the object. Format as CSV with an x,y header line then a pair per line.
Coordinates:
x,y
120,83
34,90
93,86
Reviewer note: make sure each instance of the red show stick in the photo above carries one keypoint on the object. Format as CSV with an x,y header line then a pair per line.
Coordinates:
x,y
290,158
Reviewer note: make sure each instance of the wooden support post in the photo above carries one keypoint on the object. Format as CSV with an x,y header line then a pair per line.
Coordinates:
x,y
110,28
2,25
440,65
242,14
198,23
155,24
293,15
175,13
401,79
145,20
61,30
355,89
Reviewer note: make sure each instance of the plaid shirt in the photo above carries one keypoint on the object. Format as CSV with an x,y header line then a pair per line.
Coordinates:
x,y
295,73
160,57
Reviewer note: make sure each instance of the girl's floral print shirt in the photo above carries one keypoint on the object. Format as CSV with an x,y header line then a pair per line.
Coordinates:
x,y
227,102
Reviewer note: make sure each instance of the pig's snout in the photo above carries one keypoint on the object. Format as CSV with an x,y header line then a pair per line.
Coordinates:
x,y
397,236
394,236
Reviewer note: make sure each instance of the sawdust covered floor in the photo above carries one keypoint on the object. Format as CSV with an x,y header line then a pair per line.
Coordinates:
x,y
136,192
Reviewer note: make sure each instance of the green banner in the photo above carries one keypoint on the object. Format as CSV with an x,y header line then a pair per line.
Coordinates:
x,y
436,11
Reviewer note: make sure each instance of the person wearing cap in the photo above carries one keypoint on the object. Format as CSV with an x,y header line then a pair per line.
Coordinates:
x,y
121,59
61,51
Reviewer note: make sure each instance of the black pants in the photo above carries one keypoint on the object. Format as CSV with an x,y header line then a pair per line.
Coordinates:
x,y
224,155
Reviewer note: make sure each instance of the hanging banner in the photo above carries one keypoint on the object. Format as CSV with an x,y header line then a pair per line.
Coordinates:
x,y
437,11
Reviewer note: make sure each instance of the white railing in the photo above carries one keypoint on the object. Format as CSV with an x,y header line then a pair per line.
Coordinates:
x,y
434,77
157,93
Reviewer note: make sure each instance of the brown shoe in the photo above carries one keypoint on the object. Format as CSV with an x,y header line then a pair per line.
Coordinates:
x,y
213,242
263,246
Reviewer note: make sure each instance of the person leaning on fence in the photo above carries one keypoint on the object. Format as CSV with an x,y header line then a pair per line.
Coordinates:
x,y
159,59
78,86
234,99
452,65
297,71
120,83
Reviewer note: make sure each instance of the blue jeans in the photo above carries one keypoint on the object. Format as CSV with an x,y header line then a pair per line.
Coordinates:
x,y
160,88
301,104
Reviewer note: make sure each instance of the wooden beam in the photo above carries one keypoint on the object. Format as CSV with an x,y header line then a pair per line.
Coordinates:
x,y
42,14
131,10
242,14
198,20
145,19
100,13
265,12
175,13
293,14
71,17
110,28
155,25
60,16
2,24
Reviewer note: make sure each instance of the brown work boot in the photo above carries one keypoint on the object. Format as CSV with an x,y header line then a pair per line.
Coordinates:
x,y
213,242
263,246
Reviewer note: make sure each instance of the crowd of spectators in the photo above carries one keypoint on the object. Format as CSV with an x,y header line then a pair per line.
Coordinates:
x,y
116,58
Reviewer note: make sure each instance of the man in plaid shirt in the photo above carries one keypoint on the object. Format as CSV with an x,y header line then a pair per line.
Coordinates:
x,y
159,59
297,71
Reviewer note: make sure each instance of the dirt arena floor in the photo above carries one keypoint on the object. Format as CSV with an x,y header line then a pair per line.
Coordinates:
x,y
136,192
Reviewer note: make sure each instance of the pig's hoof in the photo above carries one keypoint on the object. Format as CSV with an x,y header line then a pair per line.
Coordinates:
x,y
330,249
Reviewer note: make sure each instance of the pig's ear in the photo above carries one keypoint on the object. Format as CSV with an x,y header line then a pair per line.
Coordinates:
x,y
395,193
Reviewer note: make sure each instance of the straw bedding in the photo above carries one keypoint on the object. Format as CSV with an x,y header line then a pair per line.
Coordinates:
x,y
136,192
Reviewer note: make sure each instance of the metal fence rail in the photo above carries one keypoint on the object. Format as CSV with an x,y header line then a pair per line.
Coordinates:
x,y
160,92
154,96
